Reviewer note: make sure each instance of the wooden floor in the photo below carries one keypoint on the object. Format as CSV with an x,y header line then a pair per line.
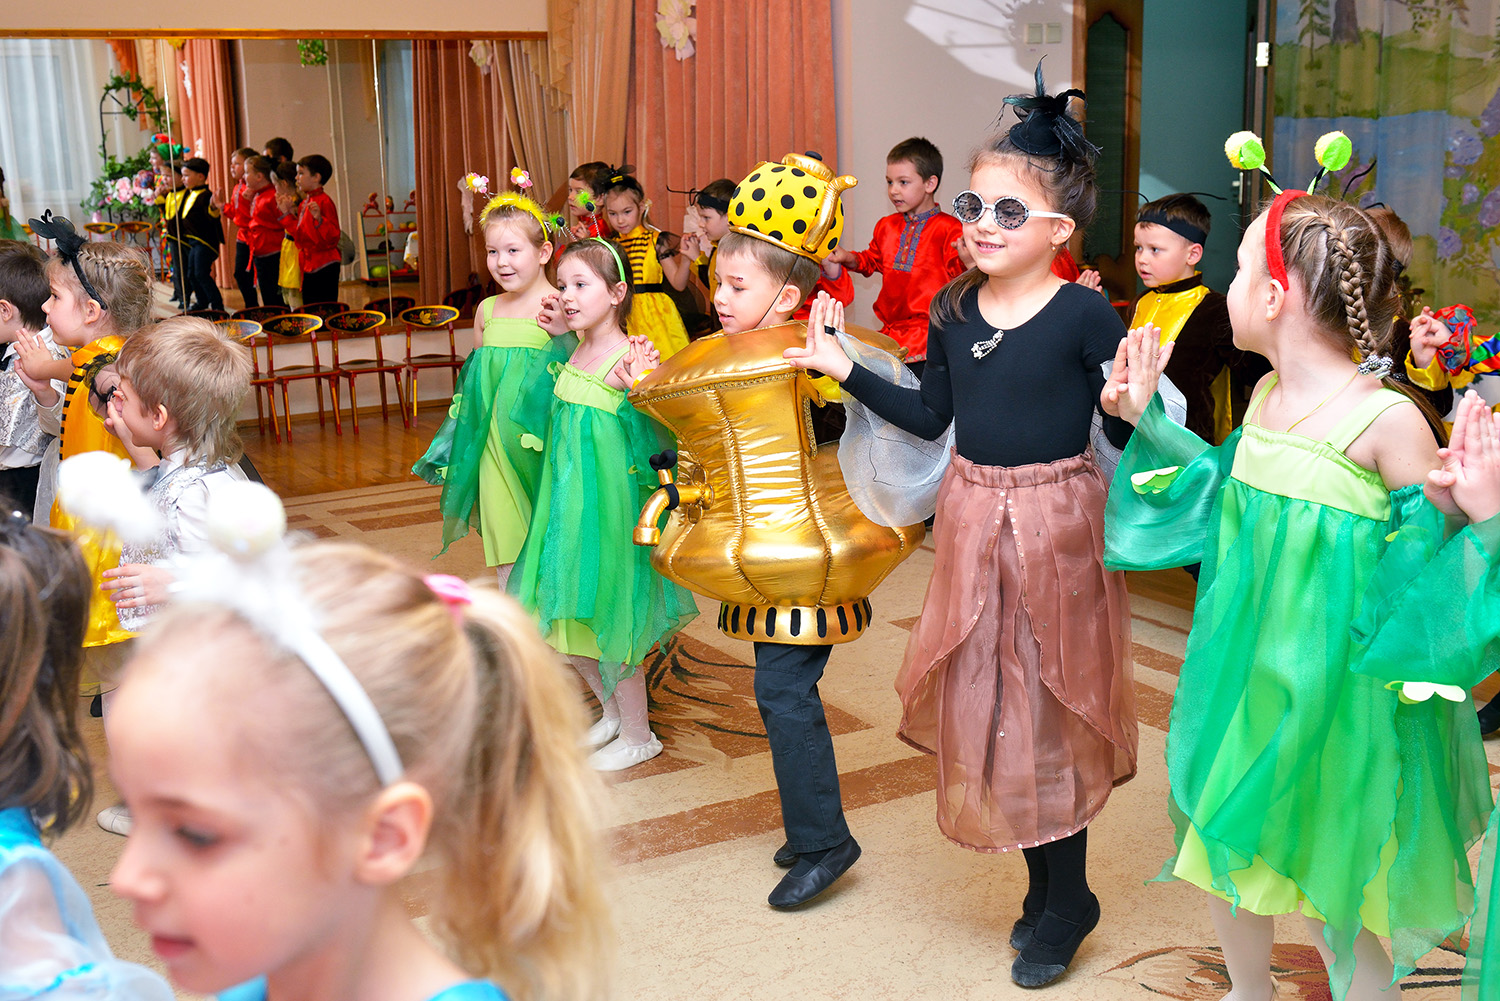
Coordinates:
x,y
318,460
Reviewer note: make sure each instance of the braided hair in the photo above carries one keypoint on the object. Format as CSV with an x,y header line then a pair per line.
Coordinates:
x,y
122,277
1348,273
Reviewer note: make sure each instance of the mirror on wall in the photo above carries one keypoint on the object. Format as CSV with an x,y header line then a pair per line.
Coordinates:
x,y
81,115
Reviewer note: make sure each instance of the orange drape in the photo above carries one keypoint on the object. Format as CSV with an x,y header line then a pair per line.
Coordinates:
x,y
204,122
759,86
460,122
590,46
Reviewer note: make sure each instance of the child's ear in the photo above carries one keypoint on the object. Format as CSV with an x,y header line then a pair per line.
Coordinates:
x,y
161,418
617,294
92,311
1195,253
788,299
1062,231
545,251
931,184
1276,298
394,834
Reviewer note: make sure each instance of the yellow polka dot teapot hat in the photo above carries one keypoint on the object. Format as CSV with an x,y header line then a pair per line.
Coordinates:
x,y
793,204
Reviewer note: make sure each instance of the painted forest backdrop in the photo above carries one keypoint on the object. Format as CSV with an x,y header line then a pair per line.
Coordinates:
x,y
1416,85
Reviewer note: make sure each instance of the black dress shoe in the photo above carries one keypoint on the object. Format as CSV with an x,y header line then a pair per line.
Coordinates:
x,y
1040,963
1489,717
1021,931
807,879
785,858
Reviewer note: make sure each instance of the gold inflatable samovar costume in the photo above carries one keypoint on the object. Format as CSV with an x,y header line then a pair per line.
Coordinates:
x,y
760,516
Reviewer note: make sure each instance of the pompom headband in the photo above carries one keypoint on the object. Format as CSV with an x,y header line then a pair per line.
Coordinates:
x,y
511,199
68,241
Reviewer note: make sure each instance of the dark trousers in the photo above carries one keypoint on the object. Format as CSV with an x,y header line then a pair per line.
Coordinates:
x,y
321,285
177,269
19,485
268,277
201,284
244,275
807,778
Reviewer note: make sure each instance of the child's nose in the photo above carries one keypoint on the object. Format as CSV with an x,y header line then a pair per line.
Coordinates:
x,y
133,877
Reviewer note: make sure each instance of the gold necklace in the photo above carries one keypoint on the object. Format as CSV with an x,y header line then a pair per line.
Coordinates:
x,y
1325,401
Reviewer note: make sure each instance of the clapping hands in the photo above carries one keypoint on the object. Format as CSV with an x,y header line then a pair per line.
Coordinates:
x,y
823,352
1468,483
1428,333
637,362
1138,366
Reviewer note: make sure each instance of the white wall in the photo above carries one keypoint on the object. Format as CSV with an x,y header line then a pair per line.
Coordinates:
x,y
937,69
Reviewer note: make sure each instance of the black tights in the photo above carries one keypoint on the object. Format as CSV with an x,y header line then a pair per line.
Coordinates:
x,y
1059,879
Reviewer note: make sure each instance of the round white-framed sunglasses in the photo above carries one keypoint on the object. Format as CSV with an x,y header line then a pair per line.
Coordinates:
x,y
1009,211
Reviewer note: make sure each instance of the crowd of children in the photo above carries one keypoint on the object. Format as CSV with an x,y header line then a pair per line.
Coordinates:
x,y
365,718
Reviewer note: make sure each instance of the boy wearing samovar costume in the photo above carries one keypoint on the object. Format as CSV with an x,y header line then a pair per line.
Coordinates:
x,y
762,519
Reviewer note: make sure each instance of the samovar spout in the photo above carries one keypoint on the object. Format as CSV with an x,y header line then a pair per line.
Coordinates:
x,y
668,497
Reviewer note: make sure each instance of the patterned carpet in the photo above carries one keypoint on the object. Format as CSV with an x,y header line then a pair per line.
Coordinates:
x,y
693,830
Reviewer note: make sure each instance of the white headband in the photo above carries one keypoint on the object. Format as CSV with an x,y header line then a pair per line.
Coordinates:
x,y
251,575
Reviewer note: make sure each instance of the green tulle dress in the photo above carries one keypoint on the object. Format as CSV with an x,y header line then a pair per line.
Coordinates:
x,y
1299,780
591,589
488,466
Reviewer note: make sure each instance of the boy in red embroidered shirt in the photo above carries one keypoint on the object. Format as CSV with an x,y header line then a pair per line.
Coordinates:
x,y
913,248
264,231
314,228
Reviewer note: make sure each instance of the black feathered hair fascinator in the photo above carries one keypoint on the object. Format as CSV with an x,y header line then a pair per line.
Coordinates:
x,y
67,240
1045,127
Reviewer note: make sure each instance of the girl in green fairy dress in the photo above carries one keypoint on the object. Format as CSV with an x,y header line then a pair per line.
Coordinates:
x,y
488,466
591,590
1302,778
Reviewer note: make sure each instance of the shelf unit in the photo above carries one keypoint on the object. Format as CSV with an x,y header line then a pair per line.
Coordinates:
x,y
383,233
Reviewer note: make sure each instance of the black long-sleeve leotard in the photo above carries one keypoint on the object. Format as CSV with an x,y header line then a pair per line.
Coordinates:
x,y
1029,400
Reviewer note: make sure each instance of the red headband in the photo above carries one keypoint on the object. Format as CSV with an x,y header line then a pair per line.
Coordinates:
x,y
1276,263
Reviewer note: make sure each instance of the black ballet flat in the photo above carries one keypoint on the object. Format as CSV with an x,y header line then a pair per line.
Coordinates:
x,y
1022,930
1489,717
808,879
785,858
1040,963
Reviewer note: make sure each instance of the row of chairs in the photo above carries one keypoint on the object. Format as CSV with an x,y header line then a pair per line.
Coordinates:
x,y
263,328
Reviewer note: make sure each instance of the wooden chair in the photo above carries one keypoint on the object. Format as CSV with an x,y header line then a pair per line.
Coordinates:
x,y
249,333
465,300
133,229
100,230
430,318
325,309
299,328
212,315
364,324
260,314
394,306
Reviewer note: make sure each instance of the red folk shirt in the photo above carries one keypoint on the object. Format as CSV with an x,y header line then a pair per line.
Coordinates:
x,y
840,288
264,231
317,240
238,211
916,256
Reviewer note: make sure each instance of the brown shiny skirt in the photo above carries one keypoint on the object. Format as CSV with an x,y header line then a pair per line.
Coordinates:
x,y
1018,674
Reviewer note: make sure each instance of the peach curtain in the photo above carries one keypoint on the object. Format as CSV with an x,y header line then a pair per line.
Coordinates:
x,y
204,115
589,42
759,86
461,126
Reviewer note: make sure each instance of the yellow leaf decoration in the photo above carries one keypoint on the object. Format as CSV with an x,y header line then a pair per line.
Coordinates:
x,y
532,442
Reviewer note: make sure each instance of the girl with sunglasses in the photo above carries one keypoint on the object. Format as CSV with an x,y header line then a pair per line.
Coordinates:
x,y
1017,675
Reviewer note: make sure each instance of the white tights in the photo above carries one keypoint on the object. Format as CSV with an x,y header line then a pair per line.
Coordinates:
x,y
628,703
1247,938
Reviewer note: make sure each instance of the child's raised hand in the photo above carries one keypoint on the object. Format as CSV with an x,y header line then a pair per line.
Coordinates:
x,y
1428,333
32,361
215,200
1139,363
637,362
822,352
691,246
136,585
1469,481
1091,279
550,318
315,210
966,258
